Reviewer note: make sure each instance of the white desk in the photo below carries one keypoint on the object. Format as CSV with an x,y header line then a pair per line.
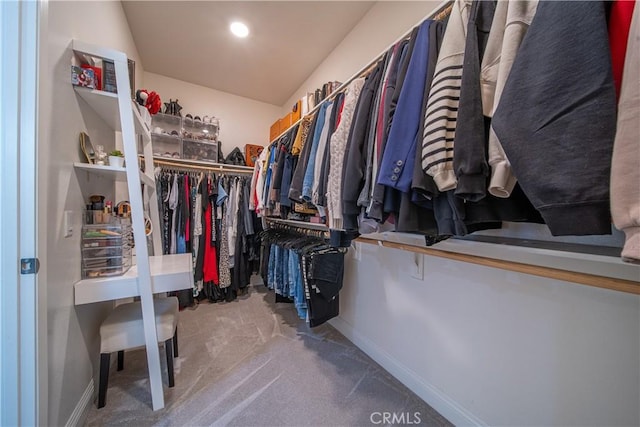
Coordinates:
x,y
168,273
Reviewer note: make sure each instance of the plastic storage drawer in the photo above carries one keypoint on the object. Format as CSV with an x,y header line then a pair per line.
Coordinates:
x,y
106,250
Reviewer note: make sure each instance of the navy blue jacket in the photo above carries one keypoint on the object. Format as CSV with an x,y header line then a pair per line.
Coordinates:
x,y
396,169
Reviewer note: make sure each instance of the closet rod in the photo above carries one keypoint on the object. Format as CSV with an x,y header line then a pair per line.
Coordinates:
x,y
300,229
611,283
436,13
209,168
299,224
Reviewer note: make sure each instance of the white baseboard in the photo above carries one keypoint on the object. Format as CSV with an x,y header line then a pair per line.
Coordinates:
x,y
439,401
79,414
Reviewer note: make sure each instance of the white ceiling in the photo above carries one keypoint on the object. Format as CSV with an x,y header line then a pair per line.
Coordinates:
x,y
191,41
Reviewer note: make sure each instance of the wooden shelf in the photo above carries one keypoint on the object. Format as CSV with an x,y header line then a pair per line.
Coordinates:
x,y
168,273
105,104
112,172
587,269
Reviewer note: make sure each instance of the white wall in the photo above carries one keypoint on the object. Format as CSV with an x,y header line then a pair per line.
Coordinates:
x,y
73,342
481,345
494,347
385,22
242,120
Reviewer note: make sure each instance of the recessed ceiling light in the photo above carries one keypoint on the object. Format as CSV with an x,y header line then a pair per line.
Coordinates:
x,y
239,29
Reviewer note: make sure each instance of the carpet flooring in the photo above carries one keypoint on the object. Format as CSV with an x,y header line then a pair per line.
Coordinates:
x,y
252,362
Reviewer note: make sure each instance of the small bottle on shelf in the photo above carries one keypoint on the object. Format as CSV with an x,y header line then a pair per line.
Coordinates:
x,y
101,155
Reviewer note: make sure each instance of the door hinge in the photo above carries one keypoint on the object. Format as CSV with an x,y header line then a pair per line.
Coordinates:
x,y
29,265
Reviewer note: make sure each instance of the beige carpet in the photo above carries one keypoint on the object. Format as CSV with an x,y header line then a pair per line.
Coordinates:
x,y
252,362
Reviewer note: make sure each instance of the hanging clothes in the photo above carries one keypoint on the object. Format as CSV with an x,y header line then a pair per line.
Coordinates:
x,y
210,268
559,140
444,98
173,205
443,125
354,167
199,233
225,274
209,216
625,173
510,25
305,269
396,168
337,148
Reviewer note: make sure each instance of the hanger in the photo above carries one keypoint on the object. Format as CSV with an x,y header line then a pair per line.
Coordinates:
x,y
443,14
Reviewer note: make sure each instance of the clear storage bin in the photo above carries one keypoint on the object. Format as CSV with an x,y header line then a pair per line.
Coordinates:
x,y
106,250
166,124
166,145
200,150
201,130
166,134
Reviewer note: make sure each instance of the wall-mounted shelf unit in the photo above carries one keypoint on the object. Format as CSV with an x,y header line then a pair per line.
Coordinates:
x,y
151,274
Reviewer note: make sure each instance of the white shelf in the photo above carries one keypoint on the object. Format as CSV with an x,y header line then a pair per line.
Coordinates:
x,y
105,104
98,51
168,273
105,171
112,172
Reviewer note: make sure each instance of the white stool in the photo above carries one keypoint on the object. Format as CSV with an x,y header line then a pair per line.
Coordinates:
x,y
123,329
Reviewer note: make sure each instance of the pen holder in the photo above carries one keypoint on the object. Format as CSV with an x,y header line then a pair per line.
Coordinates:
x,y
97,217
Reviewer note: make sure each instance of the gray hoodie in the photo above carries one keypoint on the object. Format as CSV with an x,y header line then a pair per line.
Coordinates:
x,y
510,24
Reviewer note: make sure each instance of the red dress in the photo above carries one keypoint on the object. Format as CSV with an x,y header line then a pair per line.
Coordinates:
x,y
210,266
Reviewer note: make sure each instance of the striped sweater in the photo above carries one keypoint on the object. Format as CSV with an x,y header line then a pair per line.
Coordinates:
x,y
444,97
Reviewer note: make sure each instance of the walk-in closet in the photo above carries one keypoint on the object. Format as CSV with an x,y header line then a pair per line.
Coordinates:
x,y
324,213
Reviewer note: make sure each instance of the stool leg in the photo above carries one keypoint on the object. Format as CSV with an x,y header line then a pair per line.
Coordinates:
x,y
175,343
104,379
168,349
120,360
